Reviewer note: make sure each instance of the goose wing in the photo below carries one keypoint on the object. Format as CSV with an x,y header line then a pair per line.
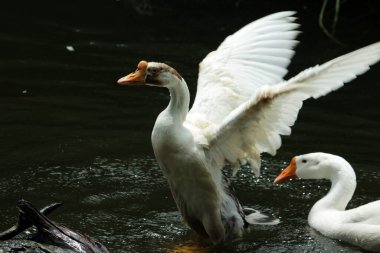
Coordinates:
x,y
256,55
256,125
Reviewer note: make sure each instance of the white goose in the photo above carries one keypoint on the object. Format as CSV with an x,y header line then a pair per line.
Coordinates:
x,y
241,108
359,226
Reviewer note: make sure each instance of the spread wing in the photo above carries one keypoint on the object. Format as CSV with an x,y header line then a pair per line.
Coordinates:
x,y
256,55
256,125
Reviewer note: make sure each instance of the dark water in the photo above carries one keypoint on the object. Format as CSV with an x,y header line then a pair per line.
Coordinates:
x,y
68,133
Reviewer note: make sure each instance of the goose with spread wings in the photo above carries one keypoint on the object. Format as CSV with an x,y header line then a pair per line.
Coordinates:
x,y
241,109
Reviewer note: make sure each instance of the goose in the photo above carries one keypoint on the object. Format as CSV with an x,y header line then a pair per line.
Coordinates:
x,y
359,226
241,108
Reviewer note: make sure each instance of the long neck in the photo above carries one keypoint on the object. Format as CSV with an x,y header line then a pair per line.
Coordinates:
x,y
179,102
343,184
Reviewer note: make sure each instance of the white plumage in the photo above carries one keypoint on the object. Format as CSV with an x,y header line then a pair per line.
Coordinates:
x,y
359,226
271,110
241,108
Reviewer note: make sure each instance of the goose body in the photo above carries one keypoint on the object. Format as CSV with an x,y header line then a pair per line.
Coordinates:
x,y
359,226
241,108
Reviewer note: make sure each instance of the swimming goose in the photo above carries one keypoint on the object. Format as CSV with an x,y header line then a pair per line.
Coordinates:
x,y
359,226
241,108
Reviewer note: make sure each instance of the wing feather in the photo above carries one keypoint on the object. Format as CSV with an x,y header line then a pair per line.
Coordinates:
x,y
260,52
256,125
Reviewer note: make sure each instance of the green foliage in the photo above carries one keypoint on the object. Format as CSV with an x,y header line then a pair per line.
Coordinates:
x,y
335,21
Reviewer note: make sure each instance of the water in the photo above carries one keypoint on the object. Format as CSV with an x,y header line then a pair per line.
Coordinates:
x,y
68,133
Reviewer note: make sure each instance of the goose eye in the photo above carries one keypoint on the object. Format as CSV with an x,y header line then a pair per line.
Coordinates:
x,y
304,161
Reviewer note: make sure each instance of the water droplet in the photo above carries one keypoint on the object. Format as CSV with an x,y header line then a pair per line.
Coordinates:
x,y
70,48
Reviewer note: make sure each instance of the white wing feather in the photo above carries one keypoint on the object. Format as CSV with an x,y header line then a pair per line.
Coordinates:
x,y
256,55
256,125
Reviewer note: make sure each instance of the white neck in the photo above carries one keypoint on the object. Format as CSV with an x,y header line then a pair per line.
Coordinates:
x,y
343,184
179,101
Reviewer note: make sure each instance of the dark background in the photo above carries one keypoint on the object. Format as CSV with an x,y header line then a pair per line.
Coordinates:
x,y
110,37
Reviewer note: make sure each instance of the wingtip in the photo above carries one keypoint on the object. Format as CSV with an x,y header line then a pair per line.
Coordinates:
x,y
289,15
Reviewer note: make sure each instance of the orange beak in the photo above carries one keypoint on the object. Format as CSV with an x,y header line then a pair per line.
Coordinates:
x,y
137,77
288,173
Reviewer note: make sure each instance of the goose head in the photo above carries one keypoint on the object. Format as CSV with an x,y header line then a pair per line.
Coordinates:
x,y
153,74
312,166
